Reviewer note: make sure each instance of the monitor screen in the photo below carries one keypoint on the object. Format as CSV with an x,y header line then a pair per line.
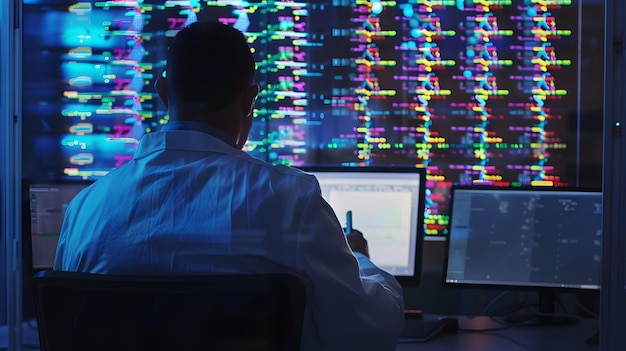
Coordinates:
x,y
521,237
47,203
499,92
387,206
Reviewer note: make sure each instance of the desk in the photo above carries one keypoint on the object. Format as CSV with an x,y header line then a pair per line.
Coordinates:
x,y
523,338
547,338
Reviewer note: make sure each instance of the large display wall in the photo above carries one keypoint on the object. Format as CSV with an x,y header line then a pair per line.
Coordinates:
x,y
477,92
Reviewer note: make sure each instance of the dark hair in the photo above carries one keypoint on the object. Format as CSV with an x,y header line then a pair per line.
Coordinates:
x,y
208,66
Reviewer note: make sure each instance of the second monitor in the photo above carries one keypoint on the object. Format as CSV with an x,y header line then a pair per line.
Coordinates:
x,y
548,238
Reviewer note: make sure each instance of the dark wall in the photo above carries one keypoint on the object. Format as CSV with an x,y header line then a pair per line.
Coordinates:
x,y
3,280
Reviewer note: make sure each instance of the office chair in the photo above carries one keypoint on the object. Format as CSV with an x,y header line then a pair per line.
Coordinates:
x,y
83,311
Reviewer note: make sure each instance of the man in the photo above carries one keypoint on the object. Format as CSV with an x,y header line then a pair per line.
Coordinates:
x,y
191,201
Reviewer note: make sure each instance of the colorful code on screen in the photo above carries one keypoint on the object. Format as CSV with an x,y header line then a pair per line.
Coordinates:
x,y
499,92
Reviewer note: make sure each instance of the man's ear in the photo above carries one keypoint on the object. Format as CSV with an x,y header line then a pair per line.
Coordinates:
x,y
247,106
161,88
249,98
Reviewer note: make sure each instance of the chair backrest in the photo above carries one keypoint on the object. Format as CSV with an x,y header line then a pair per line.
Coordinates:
x,y
83,311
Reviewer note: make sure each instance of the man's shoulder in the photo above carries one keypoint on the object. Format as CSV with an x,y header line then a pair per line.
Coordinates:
x,y
287,178
290,171
287,171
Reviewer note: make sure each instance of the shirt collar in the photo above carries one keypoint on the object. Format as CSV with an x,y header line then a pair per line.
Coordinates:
x,y
200,127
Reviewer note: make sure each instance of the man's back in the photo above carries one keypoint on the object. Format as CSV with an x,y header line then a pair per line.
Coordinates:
x,y
190,203
207,198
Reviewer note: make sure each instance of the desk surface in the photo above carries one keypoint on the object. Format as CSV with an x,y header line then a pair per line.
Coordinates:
x,y
522,338
546,338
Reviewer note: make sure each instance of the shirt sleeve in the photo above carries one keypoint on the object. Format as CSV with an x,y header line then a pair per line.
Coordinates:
x,y
355,305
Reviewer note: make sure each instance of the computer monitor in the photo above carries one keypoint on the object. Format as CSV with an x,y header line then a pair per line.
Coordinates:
x,y
46,204
545,239
387,206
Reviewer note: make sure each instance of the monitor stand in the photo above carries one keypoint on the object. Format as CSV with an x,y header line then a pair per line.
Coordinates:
x,y
545,316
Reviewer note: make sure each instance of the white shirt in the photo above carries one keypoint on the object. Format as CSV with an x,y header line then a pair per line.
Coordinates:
x,y
189,202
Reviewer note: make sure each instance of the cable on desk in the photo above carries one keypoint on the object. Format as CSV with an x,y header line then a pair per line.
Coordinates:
x,y
591,313
550,318
534,316
557,300
509,310
495,299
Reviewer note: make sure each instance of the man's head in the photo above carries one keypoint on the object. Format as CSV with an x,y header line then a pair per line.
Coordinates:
x,y
210,78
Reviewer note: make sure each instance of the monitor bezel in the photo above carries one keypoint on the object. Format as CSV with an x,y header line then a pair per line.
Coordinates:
x,y
527,286
406,281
